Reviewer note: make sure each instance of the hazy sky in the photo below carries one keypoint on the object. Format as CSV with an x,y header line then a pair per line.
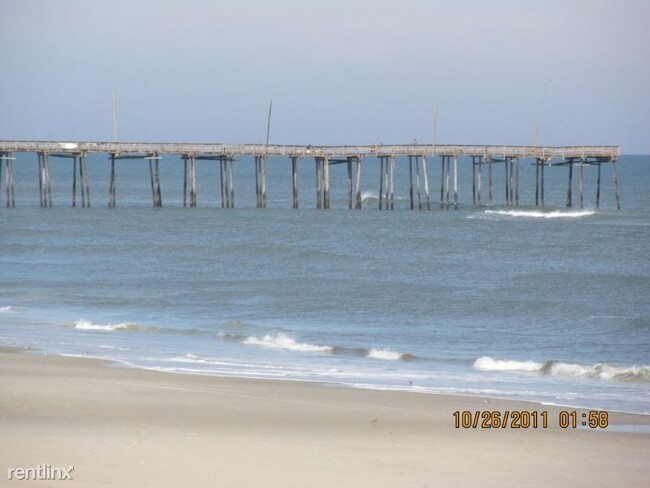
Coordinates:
x,y
338,71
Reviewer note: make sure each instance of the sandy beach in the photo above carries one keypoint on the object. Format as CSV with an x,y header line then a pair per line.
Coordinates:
x,y
126,427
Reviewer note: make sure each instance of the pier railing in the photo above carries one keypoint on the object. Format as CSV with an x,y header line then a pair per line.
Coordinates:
x,y
373,150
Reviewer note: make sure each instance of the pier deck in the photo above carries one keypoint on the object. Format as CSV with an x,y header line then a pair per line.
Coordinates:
x,y
507,156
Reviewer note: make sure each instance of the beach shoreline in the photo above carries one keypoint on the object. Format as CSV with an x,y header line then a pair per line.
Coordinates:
x,y
122,426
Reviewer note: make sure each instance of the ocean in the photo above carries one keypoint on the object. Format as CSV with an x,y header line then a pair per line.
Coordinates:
x,y
550,305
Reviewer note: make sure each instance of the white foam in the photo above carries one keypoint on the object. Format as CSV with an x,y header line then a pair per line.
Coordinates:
x,y
561,368
487,363
87,325
535,214
11,309
385,354
284,341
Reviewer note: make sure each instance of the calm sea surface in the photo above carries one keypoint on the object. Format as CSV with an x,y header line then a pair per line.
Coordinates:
x,y
550,305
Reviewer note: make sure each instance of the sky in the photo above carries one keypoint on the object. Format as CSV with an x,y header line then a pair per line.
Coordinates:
x,y
338,71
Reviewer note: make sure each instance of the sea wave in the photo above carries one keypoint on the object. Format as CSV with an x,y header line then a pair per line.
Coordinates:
x,y
537,214
284,341
388,355
281,340
87,325
599,371
11,309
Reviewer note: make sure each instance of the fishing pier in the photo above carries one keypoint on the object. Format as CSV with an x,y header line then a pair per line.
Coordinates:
x,y
421,161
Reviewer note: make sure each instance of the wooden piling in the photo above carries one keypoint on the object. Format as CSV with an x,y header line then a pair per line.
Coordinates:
x,y
263,179
473,180
326,181
615,181
392,183
359,200
479,181
111,184
294,180
542,182
490,184
455,183
411,194
417,181
517,182
230,182
154,177
598,187
507,181
319,181
581,184
82,180
192,181
447,184
569,202
40,177
74,180
425,176
537,181
184,180
9,163
442,182
382,170
222,183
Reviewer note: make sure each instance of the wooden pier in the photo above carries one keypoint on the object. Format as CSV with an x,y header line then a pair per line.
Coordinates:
x,y
483,158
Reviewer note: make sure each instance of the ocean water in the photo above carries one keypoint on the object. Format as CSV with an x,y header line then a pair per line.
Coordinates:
x,y
551,305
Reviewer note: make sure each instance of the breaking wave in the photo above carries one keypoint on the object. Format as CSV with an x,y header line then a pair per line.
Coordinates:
x,y
286,342
283,341
388,355
599,371
11,309
87,325
536,214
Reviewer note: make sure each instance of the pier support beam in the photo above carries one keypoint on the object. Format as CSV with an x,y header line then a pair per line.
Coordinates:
x,y
111,184
83,180
358,200
322,182
294,181
506,172
44,179
260,181
490,183
540,163
425,176
516,182
387,183
477,170
598,186
326,182
227,186
411,192
455,183
615,181
569,193
9,183
581,184
154,175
